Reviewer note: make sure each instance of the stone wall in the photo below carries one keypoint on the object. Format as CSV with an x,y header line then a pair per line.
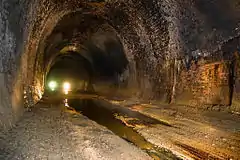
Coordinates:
x,y
205,84
12,35
213,80
153,33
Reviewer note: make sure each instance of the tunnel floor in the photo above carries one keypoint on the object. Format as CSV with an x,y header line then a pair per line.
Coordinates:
x,y
190,133
112,129
194,133
107,116
173,132
50,131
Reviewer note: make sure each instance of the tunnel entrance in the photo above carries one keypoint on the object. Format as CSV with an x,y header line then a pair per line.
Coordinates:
x,y
70,68
85,50
99,61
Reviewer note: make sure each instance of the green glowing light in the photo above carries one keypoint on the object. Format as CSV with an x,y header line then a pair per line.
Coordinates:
x,y
52,85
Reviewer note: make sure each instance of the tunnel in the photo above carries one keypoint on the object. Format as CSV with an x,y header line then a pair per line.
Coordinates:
x,y
86,49
143,50
119,79
71,68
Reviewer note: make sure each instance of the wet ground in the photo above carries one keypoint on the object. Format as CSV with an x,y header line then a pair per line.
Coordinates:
x,y
195,133
109,117
75,129
187,132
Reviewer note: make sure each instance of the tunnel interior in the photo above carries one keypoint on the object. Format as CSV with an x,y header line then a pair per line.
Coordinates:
x,y
163,51
81,49
71,68
172,57
128,50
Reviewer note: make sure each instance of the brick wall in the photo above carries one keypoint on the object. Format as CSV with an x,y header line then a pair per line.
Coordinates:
x,y
213,84
205,83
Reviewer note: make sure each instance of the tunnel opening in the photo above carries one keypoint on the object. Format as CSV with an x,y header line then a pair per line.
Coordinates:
x,y
102,65
80,34
69,68
100,60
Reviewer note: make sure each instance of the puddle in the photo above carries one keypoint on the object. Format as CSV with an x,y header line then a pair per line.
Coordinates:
x,y
106,117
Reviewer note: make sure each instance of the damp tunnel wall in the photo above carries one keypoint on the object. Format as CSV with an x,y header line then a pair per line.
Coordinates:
x,y
160,39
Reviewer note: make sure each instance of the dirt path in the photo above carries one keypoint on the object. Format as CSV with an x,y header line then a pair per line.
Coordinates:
x,y
54,133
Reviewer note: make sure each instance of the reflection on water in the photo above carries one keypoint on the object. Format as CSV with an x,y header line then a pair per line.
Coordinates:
x,y
66,103
105,116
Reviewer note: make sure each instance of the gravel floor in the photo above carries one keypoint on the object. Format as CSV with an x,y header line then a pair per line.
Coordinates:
x,y
195,133
54,133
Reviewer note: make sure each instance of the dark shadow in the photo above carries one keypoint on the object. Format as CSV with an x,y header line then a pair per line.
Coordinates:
x,y
108,55
73,68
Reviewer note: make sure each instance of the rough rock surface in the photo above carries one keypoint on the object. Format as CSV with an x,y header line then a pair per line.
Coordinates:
x,y
159,37
53,133
194,132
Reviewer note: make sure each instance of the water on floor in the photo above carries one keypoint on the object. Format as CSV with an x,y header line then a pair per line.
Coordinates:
x,y
106,116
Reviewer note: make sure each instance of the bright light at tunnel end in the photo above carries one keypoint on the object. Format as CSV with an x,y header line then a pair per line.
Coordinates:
x,y
66,87
52,85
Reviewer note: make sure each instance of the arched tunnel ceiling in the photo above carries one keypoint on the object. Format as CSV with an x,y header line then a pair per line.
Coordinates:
x,y
74,32
192,38
151,32
91,38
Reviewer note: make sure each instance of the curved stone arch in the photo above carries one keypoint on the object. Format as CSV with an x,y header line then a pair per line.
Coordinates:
x,y
65,50
49,26
66,47
36,46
